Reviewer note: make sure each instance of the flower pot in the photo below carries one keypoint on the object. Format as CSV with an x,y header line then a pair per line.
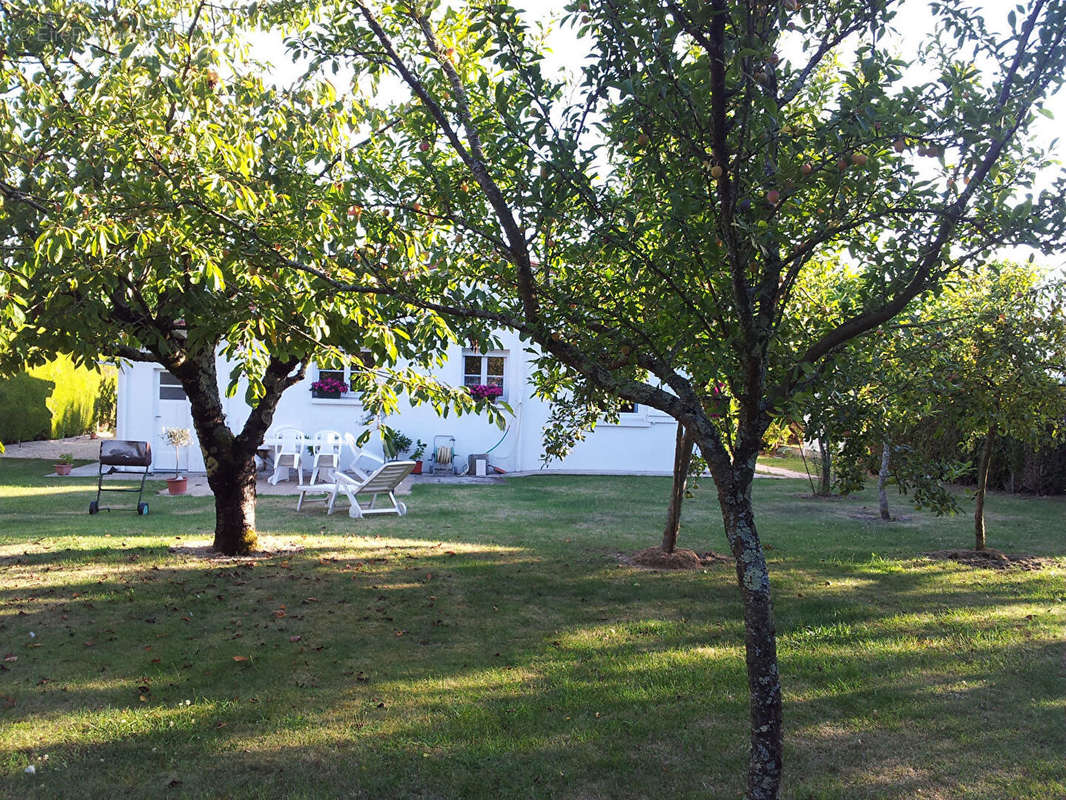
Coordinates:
x,y
177,485
418,468
63,469
328,395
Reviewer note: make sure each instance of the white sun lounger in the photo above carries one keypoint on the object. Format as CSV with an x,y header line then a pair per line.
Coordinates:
x,y
383,481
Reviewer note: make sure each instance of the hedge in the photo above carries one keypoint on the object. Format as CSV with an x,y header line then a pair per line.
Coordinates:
x,y
52,401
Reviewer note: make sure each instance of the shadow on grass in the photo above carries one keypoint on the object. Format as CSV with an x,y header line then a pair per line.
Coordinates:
x,y
392,668
510,656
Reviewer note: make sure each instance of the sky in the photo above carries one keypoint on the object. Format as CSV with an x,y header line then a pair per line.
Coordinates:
x,y
568,51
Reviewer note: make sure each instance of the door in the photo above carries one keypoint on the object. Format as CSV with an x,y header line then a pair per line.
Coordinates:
x,y
172,411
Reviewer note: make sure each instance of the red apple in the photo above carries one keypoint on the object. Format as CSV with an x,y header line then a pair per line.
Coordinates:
x,y
900,145
858,159
773,197
424,145
643,140
807,168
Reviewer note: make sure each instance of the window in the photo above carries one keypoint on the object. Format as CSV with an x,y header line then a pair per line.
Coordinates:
x,y
363,360
630,415
170,388
485,369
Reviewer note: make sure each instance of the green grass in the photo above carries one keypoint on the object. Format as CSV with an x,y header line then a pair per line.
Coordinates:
x,y
790,460
489,645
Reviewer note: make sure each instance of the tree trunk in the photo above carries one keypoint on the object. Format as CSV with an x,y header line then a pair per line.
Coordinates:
x,y
235,509
229,457
683,445
979,497
825,486
882,481
764,680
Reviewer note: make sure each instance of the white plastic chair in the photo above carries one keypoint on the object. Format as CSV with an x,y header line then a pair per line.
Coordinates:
x,y
289,446
326,446
359,455
383,481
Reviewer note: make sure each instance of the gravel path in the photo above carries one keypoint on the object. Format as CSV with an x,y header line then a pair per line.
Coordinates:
x,y
81,446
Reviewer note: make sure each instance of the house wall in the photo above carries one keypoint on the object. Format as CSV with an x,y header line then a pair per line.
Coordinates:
x,y
642,442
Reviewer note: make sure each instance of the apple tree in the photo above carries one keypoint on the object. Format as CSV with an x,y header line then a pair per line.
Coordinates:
x,y
968,372
155,188
646,226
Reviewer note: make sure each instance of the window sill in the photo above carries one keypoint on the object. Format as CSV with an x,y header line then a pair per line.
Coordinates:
x,y
635,421
336,401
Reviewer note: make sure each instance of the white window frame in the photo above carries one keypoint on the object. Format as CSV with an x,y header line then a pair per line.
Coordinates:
x,y
469,352
637,418
350,398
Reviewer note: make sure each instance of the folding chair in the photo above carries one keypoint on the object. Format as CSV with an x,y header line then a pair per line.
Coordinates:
x,y
359,455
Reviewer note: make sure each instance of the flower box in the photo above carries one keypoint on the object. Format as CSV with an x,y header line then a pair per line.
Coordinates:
x,y
329,389
483,392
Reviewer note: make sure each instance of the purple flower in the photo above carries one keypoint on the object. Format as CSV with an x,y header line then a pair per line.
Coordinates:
x,y
329,386
483,392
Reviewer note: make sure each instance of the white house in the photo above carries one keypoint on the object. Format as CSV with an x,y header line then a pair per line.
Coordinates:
x,y
150,399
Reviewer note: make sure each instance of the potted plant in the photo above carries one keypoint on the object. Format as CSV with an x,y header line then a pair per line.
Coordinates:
x,y
329,388
395,445
177,438
64,463
416,456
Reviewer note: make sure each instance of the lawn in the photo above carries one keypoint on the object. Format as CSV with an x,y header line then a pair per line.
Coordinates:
x,y
490,645
790,459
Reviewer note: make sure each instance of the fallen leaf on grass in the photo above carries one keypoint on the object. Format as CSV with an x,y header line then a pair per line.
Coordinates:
x,y
240,658
10,658
89,644
295,638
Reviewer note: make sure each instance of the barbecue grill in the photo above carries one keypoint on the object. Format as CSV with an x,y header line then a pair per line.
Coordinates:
x,y
120,453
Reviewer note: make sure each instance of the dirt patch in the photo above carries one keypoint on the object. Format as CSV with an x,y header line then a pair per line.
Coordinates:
x,y
990,559
207,552
655,558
